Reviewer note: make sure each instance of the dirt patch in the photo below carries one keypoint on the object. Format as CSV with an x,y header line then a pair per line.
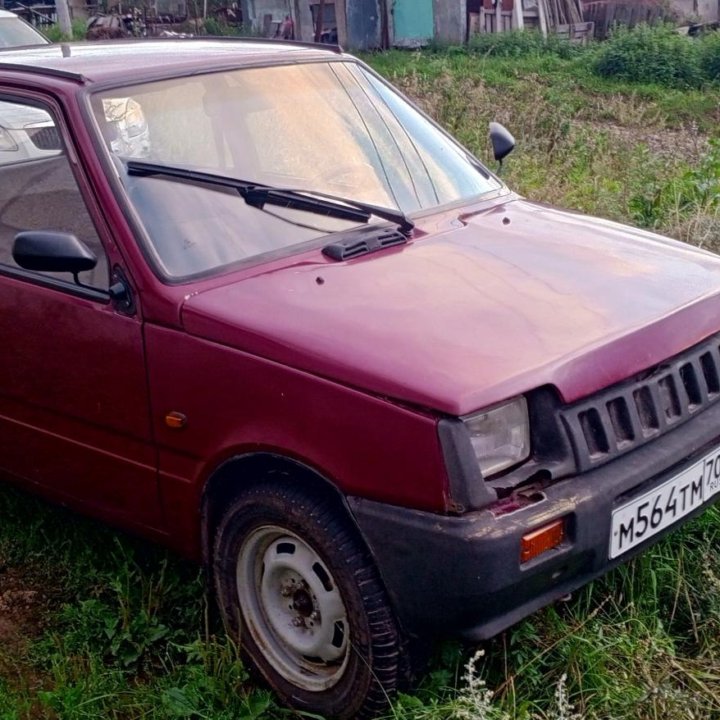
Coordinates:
x,y
22,604
25,600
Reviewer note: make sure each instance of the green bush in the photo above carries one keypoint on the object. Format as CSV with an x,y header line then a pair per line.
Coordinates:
x,y
54,34
219,28
646,54
710,55
519,43
215,27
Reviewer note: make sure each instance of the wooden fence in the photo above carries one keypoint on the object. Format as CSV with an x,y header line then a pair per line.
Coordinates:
x,y
607,13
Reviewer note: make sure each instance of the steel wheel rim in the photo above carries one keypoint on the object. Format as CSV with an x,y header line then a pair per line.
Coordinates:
x,y
292,608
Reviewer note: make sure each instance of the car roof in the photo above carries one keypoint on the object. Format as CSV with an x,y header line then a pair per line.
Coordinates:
x,y
134,60
6,13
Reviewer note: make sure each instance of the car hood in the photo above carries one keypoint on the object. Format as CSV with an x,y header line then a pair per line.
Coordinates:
x,y
516,297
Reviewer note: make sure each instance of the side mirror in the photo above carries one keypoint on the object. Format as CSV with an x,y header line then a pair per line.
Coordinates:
x,y
49,251
502,141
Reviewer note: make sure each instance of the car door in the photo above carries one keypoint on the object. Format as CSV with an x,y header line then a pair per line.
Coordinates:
x,y
74,407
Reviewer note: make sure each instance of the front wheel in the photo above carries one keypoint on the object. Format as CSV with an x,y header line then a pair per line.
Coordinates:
x,y
299,590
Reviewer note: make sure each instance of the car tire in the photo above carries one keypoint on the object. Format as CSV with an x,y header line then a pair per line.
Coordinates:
x,y
301,594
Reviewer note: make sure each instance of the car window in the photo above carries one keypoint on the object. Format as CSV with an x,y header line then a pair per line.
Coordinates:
x,y
16,33
38,190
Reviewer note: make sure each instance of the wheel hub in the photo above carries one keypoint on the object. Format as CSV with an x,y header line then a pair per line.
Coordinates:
x,y
303,603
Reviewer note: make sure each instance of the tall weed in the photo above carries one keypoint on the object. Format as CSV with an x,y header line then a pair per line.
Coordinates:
x,y
690,199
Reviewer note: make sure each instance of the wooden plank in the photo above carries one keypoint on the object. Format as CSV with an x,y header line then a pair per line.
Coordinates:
x,y
542,15
578,12
518,20
486,21
498,17
563,31
608,16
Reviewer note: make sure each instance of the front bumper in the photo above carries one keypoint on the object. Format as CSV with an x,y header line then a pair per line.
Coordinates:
x,y
461,575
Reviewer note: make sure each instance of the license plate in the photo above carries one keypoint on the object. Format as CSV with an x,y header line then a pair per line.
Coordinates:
x,y
660,507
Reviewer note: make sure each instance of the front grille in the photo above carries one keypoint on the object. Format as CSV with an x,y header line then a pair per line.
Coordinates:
x,y
45,138
626,416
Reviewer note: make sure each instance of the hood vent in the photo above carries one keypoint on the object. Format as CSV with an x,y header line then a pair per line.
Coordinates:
x,y
363,241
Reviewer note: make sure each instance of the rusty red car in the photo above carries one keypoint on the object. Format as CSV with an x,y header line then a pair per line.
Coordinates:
x,y
257,306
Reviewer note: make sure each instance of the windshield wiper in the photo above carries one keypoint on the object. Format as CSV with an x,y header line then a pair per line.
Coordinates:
x,y
258,195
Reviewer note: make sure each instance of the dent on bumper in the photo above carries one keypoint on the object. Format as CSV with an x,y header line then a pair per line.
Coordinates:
x,y
462,575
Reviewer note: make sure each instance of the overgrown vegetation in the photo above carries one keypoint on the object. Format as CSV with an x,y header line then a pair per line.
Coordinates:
x,y
94,624
646,54
518,44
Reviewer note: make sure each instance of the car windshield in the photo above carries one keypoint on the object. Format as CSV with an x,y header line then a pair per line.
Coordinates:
x,y
330,127
16,33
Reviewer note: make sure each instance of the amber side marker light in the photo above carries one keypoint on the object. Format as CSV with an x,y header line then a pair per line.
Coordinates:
x,y
175,420
541,540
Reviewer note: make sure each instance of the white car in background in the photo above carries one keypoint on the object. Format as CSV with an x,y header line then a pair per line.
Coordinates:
x,y
15,32
29,133
26,133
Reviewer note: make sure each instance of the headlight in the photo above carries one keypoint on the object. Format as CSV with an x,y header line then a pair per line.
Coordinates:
x,y
500,436
6,142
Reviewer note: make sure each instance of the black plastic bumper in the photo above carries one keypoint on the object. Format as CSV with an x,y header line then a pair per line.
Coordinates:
x,y
463,576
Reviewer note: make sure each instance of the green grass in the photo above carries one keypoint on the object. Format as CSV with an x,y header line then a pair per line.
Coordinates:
x,y
106,626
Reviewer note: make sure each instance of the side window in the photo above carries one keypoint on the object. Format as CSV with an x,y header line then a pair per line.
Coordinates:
x,y
38,190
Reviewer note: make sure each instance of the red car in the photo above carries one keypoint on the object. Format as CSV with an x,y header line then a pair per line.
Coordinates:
x,y
258,307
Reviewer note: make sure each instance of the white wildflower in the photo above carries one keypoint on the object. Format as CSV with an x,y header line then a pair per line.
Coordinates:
x,y
565,711
475,702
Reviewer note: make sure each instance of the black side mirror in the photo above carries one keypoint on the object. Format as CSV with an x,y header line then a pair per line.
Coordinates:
x,y
49,251
502,141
